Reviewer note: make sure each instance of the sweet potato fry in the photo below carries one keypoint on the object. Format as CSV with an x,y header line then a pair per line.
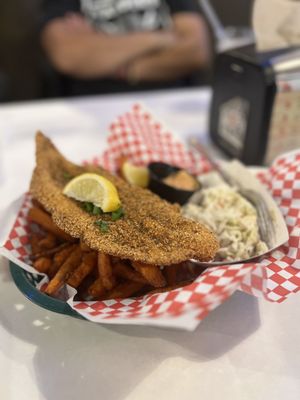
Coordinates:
x,y
48,242
42,264
59,258
34,241
88,263
151,273
122,270
43,219
49,252
124,289
170,272
95,274
106,271
65,271
97,289
84,247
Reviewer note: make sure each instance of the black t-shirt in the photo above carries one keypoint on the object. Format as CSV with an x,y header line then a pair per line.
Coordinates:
x,y
116,17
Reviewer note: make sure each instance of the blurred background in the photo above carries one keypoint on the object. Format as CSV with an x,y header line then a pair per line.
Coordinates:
x,y
24,72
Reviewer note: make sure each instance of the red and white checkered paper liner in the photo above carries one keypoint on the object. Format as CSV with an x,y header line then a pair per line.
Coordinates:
x,y
141,139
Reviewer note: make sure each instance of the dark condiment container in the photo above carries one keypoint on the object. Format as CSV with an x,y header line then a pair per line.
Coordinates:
x,y
159,171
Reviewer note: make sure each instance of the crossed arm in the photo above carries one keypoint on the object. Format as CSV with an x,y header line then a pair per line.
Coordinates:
x,y
190,51
76,49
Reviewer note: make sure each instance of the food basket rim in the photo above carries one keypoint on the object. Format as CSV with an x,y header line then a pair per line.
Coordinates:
x,y
26,287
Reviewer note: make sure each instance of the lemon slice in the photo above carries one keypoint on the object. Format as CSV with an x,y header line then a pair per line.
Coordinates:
x,y
138,176
95,189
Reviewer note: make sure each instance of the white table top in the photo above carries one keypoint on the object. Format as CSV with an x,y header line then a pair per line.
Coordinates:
x,y
247,348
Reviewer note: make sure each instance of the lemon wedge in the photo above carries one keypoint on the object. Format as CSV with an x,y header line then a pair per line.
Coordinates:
x,y
138,176
95,189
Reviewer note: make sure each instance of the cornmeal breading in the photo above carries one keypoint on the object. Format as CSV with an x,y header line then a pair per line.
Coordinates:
x,y
152,230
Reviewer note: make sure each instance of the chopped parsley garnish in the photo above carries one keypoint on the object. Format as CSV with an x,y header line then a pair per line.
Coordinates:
x,y
94,210
88,207
97,210
67,175
119,213
91,209
103,226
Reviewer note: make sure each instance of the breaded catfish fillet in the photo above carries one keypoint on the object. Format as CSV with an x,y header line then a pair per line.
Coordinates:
x,y
152,230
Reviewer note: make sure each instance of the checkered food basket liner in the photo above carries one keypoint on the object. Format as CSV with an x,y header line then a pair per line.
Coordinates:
x,y
139,137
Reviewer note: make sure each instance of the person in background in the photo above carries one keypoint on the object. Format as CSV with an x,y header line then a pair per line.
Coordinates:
x,y
105,46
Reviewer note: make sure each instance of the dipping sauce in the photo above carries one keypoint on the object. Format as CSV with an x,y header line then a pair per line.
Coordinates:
x,y
181,180
171,183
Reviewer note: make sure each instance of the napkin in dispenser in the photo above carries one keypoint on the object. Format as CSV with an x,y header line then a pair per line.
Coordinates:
x,y
279,27
255,111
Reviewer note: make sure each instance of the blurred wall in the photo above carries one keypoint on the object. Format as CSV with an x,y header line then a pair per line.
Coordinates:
x,y
19,54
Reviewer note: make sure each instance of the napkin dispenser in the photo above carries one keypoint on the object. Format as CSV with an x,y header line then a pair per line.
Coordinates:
x,y
255,109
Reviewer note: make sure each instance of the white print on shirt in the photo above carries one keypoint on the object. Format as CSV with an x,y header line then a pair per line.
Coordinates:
x,y
121,16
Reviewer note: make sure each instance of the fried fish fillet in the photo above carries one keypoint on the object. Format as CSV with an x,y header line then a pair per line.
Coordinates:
x,y
152,230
